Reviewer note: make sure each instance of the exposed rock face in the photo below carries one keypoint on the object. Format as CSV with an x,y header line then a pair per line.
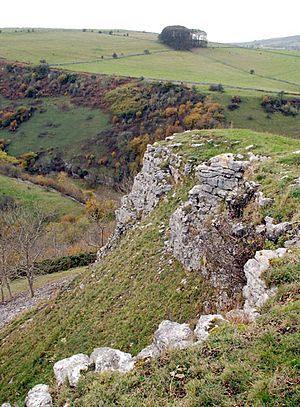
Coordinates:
x,y
39,396
149,185
111,360
223,175
70,368
160,166
255,292
205,324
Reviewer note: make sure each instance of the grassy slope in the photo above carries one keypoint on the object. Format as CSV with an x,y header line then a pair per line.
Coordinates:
x,y
125,296
31,194
251,115
229,66
57,124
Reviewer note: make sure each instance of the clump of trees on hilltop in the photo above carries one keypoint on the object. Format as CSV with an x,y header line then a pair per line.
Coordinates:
x,y
182,38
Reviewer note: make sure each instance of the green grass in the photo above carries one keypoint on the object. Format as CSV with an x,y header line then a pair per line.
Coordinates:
x,y
59,46
29,194
56,124
205,65
229,66
20,285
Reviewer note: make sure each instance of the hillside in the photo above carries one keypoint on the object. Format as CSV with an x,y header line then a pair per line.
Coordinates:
x,y
25,193
140,54
283,43
160,267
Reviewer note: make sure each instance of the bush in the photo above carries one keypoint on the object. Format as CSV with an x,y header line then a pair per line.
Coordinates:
x,y
115,55
55,265
233,106
216,88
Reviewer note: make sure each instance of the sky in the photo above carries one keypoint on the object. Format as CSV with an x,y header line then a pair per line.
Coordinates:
x,y
224,21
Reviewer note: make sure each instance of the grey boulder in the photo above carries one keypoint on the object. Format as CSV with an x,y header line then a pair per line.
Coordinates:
x,y
150,351
71,368
111,360
39,396
172,335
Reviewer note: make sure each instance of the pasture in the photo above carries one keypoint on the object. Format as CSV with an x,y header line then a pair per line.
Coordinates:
x,y
92,52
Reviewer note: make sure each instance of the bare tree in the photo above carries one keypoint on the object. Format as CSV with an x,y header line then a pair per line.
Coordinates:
x,y
29,227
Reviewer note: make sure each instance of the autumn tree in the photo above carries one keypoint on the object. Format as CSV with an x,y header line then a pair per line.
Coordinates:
x,y
101,213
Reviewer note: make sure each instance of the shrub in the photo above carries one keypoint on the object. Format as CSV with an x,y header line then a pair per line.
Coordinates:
x,y
55,265
216,88
115,55
233,106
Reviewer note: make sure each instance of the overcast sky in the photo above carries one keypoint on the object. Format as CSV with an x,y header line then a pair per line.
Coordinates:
x,y
224,21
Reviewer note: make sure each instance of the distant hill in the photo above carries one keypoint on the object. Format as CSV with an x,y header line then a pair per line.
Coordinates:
x,y
288,43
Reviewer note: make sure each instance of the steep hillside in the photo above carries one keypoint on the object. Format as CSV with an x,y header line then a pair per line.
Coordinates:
x,y
193,219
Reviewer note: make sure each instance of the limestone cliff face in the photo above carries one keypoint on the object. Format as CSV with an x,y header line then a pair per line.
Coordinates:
x,y
206,233
219,179
161,169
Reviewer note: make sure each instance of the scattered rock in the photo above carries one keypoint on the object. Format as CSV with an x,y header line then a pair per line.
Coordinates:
x,y
39,396
249,147
23,302
71,368
274,231
172,335
205,324
262,201
111,360
150,351
6,405
294,242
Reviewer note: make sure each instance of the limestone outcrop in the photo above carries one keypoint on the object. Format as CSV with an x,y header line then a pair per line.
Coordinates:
x,y
256,292
221,177
111,360
70,368
161,167
39,396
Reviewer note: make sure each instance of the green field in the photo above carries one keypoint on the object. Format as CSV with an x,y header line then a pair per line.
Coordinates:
x,y
56,124
229,66
29,194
